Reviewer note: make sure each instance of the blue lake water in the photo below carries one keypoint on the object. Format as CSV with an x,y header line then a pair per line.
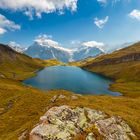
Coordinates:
x,y
71,78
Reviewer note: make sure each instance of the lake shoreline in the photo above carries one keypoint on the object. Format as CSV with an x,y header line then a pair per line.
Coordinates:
x,y
70,72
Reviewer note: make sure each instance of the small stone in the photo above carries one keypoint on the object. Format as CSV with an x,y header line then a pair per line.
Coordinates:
x,y
24,135
61,96
90,136
1,75
10,104
54,99
73,97
57,97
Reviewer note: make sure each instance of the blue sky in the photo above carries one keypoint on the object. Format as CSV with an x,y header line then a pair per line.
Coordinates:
x,y
117,21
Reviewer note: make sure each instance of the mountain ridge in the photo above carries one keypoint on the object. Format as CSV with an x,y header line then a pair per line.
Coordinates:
x,y
46,48
62,54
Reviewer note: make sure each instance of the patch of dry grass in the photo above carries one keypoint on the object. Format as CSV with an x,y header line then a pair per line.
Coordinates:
x,y
24,105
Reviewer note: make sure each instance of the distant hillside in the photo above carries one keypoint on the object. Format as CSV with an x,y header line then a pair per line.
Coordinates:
x,y
15,65
122,65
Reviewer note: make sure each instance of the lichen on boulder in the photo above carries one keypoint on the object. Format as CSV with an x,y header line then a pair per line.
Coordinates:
x,y
114,128
64,123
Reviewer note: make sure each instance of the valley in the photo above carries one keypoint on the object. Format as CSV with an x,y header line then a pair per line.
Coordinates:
x,y
21,106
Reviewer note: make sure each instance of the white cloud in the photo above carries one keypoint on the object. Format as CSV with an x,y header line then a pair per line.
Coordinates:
x,y
46,39
6,25
102,1
101,22
135,14
92,44
2,31
37,7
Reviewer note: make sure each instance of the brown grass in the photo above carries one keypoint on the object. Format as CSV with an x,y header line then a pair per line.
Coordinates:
x,y
22,106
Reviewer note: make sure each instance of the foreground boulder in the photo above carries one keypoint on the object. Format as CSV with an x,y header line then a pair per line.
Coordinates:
x,y
65,123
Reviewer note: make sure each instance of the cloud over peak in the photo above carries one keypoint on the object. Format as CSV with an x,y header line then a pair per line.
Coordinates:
x,y
6,25
45,39
135,14
37,7
100,23
96,44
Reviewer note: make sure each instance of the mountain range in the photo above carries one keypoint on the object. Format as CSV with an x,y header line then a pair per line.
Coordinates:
x,y
46,48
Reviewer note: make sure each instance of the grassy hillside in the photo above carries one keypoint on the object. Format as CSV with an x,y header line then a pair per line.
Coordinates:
x,y
21,106
19,66
17,102
123,66
15,65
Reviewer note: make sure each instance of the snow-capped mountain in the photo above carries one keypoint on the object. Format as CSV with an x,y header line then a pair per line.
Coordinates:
x,y
16,47
46,48
88,49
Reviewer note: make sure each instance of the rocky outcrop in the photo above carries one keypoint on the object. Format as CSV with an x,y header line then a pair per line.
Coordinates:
x,y
61,96
65,123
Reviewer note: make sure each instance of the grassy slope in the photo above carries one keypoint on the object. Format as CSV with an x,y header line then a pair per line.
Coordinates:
x,y
21,106
127,77
126,74
19,66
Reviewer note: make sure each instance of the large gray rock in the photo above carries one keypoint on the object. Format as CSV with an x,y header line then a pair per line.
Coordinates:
x,y
64,123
